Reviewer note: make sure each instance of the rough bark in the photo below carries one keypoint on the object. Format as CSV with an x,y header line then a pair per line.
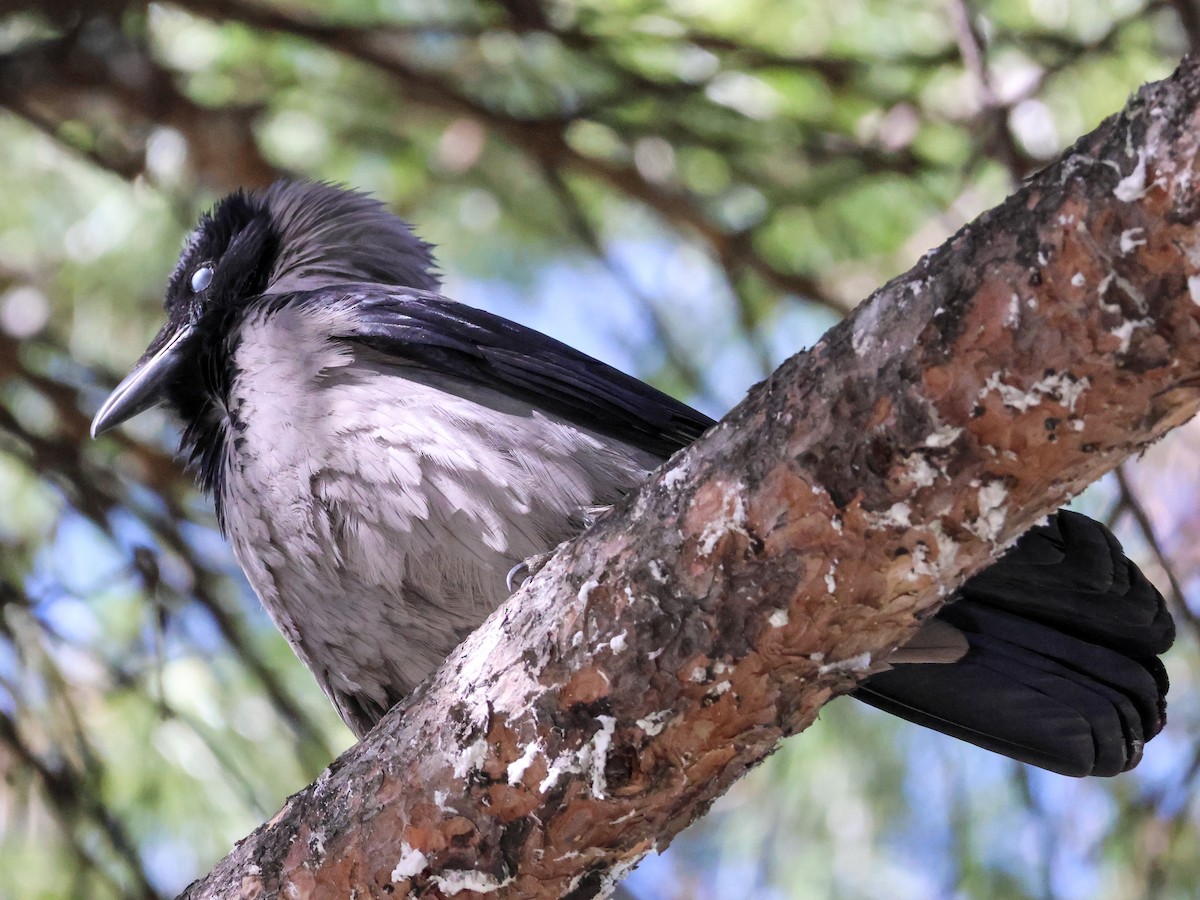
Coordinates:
x,y
772,565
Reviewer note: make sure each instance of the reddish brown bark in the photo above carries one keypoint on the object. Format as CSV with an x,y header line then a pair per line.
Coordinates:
x,y
769,567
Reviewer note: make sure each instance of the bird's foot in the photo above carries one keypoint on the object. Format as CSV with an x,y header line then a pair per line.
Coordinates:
x,y
525,570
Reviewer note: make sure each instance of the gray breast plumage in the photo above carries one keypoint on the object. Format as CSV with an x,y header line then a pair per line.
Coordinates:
x,y
376,508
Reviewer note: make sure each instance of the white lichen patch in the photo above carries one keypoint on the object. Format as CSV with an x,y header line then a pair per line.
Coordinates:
x,y
1132,238
672,478
316,843
412,862
1102,290
585,590
1078,280
562,765
654,723
1131,290
1014,311
1124,332
990,499
942,436
1133,186
601,741
830,580
778,618
898,515
455,881
656,571
1061,387
860,663
616,644
1194,288
925,565
699,675
516,768
921,564
591,757
731,520
471,758
719,688
947,547
918,470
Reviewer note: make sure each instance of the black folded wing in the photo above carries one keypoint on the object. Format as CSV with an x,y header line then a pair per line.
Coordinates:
x,y
461,342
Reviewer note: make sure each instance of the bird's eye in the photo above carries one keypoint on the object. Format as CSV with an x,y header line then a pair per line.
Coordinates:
x,y
201,278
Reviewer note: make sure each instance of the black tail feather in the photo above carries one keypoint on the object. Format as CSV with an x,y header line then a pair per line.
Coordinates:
x,y
1072,573
1062,669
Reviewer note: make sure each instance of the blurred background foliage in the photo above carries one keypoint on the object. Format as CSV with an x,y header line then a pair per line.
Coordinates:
x,y
690,189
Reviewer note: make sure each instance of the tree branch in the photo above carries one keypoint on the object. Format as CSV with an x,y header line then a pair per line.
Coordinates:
x,y
769,567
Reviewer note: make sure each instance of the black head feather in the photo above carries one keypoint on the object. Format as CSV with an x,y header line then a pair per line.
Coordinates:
x,y
297,236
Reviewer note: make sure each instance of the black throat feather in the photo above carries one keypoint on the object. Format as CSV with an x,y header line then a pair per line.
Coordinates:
x,y
239,235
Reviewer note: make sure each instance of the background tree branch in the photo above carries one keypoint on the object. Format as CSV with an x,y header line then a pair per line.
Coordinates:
x,y
775,563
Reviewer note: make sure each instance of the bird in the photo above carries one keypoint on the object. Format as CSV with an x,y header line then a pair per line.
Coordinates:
x,y
380,456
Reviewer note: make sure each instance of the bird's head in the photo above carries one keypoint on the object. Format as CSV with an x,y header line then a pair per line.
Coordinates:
x,y
291,239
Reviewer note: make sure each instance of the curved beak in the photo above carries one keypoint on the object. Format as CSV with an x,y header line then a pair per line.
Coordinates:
x,y
143,387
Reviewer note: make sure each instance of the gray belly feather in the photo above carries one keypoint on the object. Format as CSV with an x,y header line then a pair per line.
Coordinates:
x,y
376,515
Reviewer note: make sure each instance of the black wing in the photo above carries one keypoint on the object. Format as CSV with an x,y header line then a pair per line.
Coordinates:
x,y
450,338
